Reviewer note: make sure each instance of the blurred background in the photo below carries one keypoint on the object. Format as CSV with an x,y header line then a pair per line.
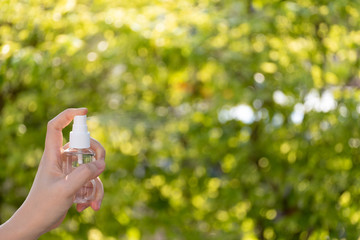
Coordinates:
x,y
234,119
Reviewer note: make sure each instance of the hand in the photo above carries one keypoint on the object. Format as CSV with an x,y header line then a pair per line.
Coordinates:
x,y
52,192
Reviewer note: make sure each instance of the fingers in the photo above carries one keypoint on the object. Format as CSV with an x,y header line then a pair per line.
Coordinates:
x,y
66,146
96,203
99,195
54,139
82,206
82,174
86,172
98,149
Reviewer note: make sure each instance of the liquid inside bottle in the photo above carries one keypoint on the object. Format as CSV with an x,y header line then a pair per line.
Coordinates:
x,y
72,158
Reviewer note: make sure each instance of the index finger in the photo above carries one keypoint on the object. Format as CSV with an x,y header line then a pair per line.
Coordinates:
x,y
54,136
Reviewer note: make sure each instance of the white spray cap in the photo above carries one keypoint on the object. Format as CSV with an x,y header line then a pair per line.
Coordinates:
x,y
79,136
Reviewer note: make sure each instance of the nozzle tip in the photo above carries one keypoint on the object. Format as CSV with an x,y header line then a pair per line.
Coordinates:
x,y
80,120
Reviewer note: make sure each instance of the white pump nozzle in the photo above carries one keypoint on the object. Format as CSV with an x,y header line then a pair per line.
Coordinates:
x,y
79,136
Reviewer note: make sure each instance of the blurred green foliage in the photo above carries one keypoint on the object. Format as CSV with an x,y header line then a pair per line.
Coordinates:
x,y
221,119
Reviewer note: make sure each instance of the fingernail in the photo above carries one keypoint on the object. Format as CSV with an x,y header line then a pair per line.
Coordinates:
x,y
82,208
98,204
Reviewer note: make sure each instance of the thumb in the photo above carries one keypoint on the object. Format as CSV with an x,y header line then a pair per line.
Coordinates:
x,y
84,173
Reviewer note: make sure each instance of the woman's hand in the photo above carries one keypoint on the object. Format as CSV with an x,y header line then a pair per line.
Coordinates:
x,y
52,192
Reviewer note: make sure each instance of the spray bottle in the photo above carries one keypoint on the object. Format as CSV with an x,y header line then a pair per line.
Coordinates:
x,y
78,153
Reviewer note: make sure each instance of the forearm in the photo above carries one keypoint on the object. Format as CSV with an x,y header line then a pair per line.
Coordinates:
x,y
20,227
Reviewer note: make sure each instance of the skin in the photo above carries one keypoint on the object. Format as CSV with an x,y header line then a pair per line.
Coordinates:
x,y
52,192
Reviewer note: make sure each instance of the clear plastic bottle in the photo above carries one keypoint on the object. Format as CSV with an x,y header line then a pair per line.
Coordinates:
x,y
78,153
